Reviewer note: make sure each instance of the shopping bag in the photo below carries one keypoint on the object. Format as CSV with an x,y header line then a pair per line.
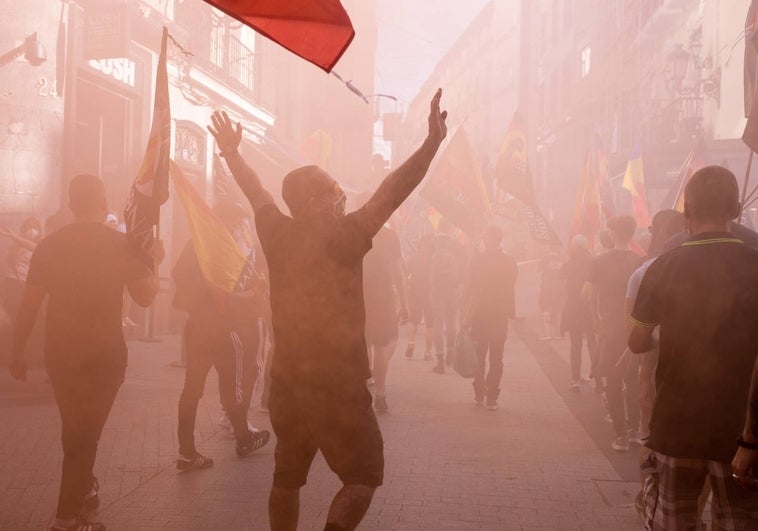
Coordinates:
x,y
464,358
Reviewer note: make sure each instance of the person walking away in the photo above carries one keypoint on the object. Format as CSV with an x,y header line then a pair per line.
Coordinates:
x,y
492,302
319,399
383,284
703,296
551,295
419,299
576,317
666,224
82,270
446,269
608,278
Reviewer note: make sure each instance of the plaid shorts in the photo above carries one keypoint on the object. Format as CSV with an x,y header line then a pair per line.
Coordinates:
x,y
673,486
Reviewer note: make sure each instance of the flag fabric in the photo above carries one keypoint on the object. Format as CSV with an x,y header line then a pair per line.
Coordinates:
x,y
150,188
634,182
455,187
221,261
594,203
516,199
696,159
750,80
319,32
512,167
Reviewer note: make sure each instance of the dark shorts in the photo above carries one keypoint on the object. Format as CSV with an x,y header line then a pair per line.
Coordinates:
x,y
382,326
339,421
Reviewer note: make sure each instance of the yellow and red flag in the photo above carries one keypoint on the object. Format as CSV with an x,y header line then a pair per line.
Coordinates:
x,y
221,261
634,181
455,187
150,188
696,159
319,32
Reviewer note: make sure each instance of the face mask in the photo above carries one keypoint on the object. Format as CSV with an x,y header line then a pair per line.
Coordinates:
x,y
331,204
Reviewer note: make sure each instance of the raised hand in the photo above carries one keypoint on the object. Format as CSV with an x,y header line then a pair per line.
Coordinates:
x,y
227,136
437,125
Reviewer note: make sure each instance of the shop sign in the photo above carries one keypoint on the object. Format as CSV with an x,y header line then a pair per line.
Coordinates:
x,y
121,69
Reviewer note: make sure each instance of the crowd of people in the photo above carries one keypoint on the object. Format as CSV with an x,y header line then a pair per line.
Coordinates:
x,y
671,337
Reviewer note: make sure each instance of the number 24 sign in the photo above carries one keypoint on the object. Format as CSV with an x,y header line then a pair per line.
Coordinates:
x,y
46,88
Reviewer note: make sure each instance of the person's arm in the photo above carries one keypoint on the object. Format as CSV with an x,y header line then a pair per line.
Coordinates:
x,y
143,290
399,184
228,139
746,459
27,315
29,245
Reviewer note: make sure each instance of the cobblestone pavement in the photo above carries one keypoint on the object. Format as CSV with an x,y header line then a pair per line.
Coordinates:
x,y
539,462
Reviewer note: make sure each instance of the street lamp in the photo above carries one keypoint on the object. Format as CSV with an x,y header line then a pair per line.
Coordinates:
x,y
678,59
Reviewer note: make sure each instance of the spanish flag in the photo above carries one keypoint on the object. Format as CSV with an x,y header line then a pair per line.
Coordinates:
x,y
319,32
221,260
634,181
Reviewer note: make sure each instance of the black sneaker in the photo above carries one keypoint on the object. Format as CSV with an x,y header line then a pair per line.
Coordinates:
x,y
380,403
194,462
80,525
255,441
92,500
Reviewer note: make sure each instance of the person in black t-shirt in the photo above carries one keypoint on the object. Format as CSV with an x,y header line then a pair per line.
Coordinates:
x,y
704,296
609,275
82,269
319,398
491,303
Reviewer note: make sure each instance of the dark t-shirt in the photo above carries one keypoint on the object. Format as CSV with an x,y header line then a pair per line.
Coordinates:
x,y
378,284
704,296
84,267
447,266
492,286
610,273
317,304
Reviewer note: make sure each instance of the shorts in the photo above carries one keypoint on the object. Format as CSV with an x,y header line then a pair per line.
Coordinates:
x,y
420,310
339,421
673,486
382,326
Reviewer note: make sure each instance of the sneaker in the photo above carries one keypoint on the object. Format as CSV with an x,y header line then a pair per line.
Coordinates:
x,y
81,524
491,405
635,437
380,403
194,462
427,356
256,441
574,387
439,367
545,338
409,350
620,444
92,500
479,400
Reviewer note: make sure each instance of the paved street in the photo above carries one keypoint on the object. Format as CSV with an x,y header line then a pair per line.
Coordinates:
x,y
539,462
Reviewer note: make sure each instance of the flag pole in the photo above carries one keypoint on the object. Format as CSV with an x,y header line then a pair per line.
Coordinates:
x,y
745,195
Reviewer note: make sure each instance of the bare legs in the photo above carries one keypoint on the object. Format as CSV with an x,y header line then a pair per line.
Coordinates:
x,y
283,509
348,507
382,357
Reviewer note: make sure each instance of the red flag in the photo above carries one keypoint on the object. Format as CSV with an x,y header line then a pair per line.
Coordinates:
x,y
318,31
150,188
594,197
634,182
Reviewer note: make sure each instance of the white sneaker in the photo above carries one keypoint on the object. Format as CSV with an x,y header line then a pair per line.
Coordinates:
x,y
620,444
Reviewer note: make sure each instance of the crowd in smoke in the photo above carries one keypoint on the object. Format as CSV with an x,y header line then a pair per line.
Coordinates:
x,y
328,290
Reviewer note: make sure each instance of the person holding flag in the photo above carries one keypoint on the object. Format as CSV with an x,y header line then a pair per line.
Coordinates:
x,y
319,397
82,270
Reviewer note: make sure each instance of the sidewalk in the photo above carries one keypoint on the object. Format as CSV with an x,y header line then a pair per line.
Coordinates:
x,y
449,464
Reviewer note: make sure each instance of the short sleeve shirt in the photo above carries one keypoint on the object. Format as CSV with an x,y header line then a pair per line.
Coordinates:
x,y
633,287
704,296
84,268
317,305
